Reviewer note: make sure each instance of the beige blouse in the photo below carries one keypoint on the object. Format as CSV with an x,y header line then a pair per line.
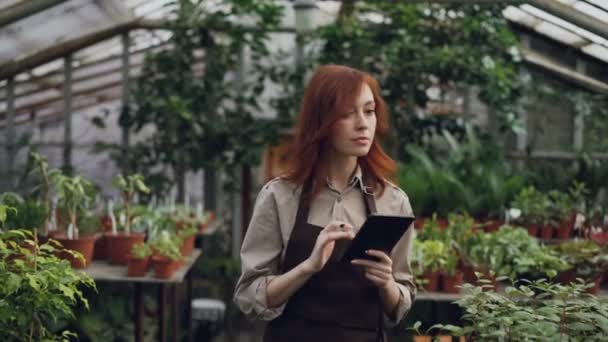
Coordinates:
x,y
271,224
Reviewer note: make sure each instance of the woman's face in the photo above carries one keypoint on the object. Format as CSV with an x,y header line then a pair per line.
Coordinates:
x,y
354,130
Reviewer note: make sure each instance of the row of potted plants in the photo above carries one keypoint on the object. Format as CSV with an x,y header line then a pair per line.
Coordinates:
x,y
551,214
444,258
527,311
72,220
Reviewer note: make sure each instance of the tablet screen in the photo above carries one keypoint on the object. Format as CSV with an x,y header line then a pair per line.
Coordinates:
x,y
380,232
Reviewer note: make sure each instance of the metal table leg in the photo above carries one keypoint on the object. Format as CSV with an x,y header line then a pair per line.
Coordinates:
x,y
175,318
189,305
162,323
139,313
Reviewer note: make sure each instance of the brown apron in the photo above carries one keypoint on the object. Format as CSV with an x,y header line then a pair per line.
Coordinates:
x,y
336,304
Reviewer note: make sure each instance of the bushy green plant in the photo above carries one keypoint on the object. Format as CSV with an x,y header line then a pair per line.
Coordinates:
x,y
76,194
168,245
534,311
533,205
37,289
128,186
513,252
435,255
585,256
141,250
26,214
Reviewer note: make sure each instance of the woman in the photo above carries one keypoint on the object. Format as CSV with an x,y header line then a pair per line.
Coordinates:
x,y
303,220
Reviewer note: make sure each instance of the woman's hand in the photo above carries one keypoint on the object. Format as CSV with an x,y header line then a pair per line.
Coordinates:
x,y
325,244
380,272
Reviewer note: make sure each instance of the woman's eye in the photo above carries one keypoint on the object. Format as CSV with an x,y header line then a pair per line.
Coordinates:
x,y
370,112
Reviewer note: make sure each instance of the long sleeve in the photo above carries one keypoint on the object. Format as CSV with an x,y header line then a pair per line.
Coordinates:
x,y
260,254
402,271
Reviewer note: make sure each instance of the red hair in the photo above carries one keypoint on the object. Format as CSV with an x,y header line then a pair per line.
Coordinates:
x,y
331,91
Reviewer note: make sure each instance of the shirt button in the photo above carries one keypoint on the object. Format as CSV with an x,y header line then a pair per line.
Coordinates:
x,y
339,199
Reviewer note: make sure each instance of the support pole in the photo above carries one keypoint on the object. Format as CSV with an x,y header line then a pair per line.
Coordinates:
x,y
67,111
10,131
125,98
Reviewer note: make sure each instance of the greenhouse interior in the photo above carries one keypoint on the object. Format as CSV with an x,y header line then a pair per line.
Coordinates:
x,y
145,143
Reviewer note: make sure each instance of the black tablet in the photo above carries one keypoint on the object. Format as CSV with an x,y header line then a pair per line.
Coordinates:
x,y
380,232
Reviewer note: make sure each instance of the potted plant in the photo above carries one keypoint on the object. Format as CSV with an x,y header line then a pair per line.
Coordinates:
x,y
535,311
167,256
435,255
451,276
121,242
76,195
139,260
562,213
187,236
37,290
532,204
587,261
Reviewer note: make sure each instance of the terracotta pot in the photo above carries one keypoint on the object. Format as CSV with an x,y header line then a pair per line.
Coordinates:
x,y
102,248
468,273
443,223
423,338
120,245
188,246
595,289
451,283
566,277
433,281
492,225
566,227
546,231
137,267
84,245
419,223
532,229
164,267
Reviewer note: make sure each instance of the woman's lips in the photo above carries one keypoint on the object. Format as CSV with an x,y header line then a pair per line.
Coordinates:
x,y
361,141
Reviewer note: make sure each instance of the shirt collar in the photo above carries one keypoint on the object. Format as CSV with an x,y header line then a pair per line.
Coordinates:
x,y
356,179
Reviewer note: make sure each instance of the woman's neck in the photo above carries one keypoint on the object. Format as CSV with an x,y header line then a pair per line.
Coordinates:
x,y
340,169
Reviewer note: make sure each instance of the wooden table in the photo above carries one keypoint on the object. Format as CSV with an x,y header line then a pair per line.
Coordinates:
x,y
104,271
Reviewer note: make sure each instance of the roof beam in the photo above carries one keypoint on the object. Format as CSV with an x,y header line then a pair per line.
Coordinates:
x,y
570,14
62,49
25,9
568,74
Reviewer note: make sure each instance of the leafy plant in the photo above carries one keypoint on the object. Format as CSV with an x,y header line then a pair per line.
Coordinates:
x,y
512,252
36,288
435,255
534,311
24,214
75,193
42,166
167,245
533,205
141,250
128,186
585,256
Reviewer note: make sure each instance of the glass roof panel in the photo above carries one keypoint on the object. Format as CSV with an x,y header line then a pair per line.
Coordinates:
x,y
597,51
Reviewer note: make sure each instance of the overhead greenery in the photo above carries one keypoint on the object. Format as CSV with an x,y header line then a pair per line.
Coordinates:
x,y
415,46
197,97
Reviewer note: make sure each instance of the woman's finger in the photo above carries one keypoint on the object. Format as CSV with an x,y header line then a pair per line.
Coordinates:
x,y
378,273
372,265
381,255
332,236
375,279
